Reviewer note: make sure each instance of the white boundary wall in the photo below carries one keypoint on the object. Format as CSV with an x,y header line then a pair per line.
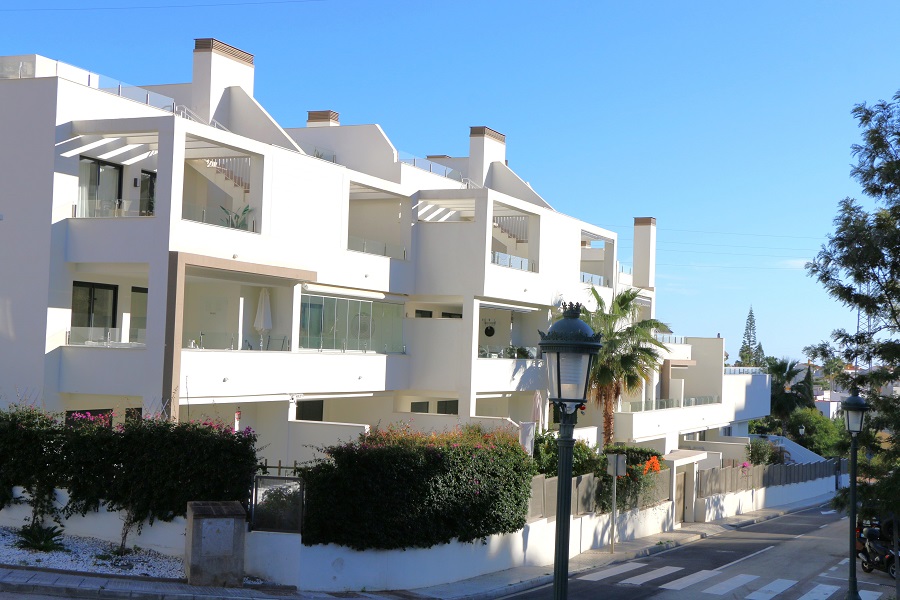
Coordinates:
x,y
163,537
283,558
719,506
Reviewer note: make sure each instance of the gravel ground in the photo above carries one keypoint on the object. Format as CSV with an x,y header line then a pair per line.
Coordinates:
x,y
90,555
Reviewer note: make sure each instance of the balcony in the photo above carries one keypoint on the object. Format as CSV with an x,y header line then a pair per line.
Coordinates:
x,y
508,352
437,169
650,405
359,244
513,262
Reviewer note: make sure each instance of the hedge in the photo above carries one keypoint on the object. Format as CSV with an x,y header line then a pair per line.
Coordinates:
x,y
148,468
396,488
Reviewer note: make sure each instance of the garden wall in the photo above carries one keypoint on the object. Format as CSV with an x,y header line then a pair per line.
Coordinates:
x,y
165,538
282,557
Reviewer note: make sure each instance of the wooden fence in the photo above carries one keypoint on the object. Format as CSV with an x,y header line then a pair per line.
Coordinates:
x,y
735,479
585,489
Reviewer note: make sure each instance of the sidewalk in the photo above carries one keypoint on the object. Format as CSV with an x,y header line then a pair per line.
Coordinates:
x,y
485,587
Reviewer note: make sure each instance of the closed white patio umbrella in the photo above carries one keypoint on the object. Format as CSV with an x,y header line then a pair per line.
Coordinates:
x,y
263,321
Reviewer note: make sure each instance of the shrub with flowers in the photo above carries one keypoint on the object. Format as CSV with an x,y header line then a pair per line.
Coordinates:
x,y
397,488
635,489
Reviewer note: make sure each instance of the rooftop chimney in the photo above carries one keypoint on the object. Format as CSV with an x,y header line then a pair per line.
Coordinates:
x,y
486,146
218,66
322,118
644,271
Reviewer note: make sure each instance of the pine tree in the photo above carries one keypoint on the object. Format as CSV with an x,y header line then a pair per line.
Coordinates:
x,y
759,356
746,355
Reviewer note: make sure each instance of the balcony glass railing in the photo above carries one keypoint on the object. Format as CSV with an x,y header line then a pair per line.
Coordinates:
x,y
28,67
590,278
625,269
524,352
107,337
649,405
228,219
744,371
513,262
379,248
666,338
220,340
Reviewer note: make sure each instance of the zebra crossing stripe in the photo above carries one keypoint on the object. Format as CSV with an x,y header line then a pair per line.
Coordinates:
x,y
720,589
820,592
772,589
618,569
867,595
654,574
680,584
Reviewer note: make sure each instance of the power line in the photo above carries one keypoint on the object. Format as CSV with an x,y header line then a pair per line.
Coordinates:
x,y
732,267
154,7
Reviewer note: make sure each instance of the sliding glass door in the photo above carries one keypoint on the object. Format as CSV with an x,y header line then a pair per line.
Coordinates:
x,y
94,309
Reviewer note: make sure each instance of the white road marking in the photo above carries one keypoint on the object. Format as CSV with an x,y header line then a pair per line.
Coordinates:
x,y
823,526
869,595
680,584
828,512
820,592
720,589
654,574
772,589
618,569
734,562
799,536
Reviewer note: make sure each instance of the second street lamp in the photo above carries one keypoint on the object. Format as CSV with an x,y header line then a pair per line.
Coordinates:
x,y
569,348
854,409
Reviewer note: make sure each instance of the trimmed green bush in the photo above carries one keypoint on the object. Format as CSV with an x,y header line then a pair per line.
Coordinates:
x,y
396,488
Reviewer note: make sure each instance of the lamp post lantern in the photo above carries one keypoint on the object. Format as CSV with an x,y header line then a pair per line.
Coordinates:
x,y
854,409
569,348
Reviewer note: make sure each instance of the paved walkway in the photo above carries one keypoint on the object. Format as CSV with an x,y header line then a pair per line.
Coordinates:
x,y
485,587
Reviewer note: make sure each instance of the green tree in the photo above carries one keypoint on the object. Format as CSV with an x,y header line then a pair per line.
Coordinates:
x,y
630,352
820,434
859,267
750,347
786,395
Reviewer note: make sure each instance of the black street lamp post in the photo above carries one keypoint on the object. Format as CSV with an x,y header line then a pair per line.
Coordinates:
x,y
569,348
854,415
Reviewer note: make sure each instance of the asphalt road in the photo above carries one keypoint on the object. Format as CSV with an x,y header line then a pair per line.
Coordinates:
x,y
800,556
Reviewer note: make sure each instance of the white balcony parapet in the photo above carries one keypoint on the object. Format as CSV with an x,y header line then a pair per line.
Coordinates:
x,y
32,66
651,405
437,169
596,280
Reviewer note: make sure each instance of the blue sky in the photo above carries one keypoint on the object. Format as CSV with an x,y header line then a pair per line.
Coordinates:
x,y
728,122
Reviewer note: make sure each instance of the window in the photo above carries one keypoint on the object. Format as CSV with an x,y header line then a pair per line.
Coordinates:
x,y
450,315
419,407
148,193
330,323
310,410
99,188
725,431
94,310
448,407
133,414
423,314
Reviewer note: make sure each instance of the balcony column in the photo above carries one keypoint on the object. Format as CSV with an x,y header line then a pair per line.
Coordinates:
x,y
295,317
469,346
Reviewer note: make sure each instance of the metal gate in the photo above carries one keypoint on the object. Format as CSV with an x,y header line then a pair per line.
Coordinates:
x,y
679,497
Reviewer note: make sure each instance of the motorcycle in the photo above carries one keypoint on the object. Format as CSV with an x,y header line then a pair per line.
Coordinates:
x,y
874,554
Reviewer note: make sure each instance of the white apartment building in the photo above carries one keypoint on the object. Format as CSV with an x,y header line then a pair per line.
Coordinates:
x,y
172,249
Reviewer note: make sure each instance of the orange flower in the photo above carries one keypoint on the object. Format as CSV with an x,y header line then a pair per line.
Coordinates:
x,y
651,465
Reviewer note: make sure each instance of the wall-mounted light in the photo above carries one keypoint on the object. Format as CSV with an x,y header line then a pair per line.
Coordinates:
x,y
136,182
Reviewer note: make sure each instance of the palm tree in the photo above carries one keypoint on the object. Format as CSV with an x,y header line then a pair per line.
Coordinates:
x,y
630,352
786,395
